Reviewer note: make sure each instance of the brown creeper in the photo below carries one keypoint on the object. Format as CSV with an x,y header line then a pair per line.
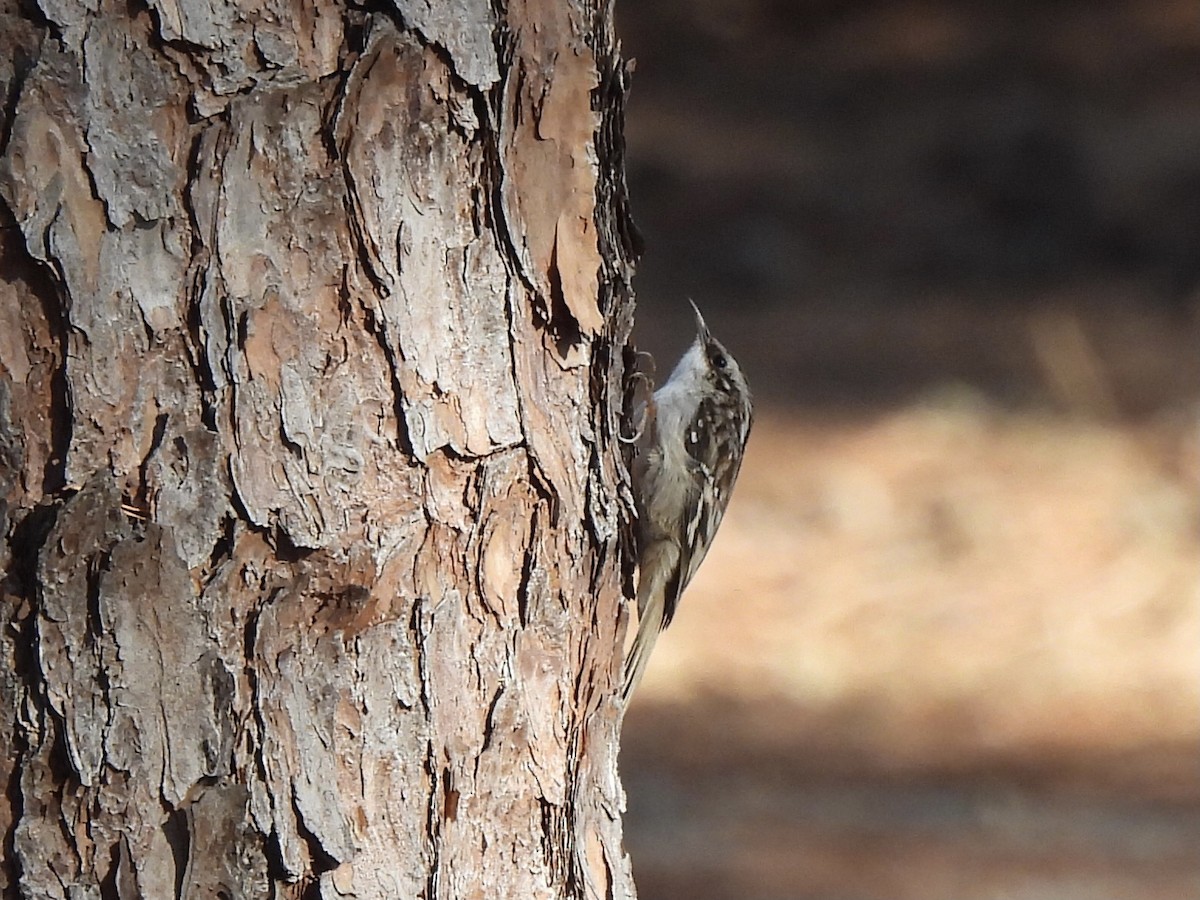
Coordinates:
x,y
689,455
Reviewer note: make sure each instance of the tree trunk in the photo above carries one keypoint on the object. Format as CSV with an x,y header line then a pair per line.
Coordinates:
x,y
312,329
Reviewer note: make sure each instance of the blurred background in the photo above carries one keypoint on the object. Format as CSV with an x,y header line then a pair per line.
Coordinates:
x,y
947,644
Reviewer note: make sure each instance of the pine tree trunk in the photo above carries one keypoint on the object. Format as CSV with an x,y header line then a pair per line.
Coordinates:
x,y
311,362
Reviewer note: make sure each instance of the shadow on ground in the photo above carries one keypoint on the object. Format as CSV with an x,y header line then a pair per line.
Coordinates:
x,y
723,807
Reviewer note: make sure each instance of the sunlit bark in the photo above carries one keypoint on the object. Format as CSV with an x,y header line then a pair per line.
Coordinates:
x,y
311,330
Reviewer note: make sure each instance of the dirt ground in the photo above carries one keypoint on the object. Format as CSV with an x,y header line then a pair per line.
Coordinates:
x,y
947,644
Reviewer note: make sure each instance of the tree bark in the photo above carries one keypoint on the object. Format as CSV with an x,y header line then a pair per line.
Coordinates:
x,y
312,345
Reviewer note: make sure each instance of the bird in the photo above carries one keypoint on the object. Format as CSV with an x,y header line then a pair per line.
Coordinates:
x,y
686,463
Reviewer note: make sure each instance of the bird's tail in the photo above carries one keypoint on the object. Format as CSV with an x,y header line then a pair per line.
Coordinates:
x,y
650,626
639,656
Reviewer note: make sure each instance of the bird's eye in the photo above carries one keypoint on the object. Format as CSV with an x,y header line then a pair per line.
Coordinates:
x,y
718,360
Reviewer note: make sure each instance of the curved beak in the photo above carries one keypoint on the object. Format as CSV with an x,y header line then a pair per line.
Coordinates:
x,y
700,326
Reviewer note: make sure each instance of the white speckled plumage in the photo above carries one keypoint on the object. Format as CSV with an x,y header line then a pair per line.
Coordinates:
x,y
688,460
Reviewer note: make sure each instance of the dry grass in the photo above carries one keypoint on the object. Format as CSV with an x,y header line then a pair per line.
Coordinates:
x,y
1035,576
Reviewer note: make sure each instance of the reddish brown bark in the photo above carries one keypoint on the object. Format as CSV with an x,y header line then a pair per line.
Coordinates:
x,y
311,330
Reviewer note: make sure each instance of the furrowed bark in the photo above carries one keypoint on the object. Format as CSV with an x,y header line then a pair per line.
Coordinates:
x,y
312,330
